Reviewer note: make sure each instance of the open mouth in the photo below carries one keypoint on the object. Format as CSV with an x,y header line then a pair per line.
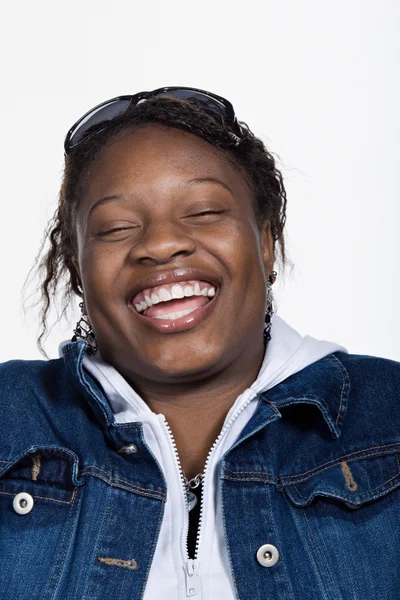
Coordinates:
x,y
179,304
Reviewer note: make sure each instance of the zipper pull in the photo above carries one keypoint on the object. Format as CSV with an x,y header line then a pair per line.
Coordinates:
x,y
192,575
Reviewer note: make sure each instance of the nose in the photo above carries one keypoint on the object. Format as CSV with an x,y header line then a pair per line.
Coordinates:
x,y
161,242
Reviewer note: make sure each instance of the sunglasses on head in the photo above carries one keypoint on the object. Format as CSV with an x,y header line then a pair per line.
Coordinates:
x,y
100,117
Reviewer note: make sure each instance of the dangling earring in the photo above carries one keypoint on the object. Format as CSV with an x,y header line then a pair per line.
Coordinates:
x,y
270,308
84,331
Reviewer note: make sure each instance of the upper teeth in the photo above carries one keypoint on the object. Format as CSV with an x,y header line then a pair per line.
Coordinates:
x,y
169,292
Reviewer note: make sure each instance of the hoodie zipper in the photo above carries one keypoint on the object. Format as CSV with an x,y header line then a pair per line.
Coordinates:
x,y
192,577
191,566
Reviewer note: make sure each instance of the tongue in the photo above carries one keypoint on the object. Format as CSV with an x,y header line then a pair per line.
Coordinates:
x,y
164,308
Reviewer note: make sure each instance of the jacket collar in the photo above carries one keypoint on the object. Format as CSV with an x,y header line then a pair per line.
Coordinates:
x,y
73,353
325,383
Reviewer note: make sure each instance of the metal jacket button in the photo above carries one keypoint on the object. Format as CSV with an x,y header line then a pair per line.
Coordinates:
x,y
23,503
267,555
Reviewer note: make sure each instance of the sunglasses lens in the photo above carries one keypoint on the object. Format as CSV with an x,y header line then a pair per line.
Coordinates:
x,y
210,105
104,113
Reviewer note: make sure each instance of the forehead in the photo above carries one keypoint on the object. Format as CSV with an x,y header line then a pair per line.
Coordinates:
x,y
159,158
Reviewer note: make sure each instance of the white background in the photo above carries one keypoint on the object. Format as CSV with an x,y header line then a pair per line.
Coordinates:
x,y
317,80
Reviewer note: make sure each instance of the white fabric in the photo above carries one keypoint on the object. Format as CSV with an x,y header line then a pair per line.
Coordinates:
x,y
287,353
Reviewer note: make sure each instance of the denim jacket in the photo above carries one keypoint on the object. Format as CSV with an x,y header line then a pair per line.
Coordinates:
x,y
309,492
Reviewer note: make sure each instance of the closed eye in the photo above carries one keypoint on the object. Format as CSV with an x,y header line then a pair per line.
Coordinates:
x,y
208,212
115,229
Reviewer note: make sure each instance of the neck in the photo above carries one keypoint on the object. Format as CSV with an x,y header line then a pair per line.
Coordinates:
x,y
196,413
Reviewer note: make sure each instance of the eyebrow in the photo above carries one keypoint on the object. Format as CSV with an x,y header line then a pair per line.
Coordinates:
x,y
209,180
105,200
195,181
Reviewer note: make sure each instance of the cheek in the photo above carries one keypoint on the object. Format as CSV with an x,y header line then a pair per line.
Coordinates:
x,y
100,269
243,257
243,251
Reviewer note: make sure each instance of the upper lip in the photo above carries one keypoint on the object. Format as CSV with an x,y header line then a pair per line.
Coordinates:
x,y
172,276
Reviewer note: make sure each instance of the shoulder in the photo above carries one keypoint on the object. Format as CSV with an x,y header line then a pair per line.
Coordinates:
x,y
371,373
372,399
40,406
26,382
22,371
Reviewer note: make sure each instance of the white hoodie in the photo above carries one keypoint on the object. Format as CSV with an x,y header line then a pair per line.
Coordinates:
x,y
207,577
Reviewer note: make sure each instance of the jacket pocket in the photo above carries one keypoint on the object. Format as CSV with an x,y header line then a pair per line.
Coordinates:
x,y
355,479
38,501
353,551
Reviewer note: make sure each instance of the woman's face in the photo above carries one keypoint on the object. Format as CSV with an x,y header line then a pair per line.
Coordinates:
x,y
141,226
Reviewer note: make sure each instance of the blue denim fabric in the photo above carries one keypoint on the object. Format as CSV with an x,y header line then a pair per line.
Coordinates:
x,y
315,472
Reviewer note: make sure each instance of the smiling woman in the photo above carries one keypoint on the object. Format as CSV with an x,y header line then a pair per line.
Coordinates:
x,y
160,231
188,442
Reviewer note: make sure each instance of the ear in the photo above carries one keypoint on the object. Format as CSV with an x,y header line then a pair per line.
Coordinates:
x,y
267,248
78,271
76,265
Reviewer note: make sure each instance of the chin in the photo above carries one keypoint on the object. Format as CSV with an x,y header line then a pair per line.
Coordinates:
x,y
192,362
174,360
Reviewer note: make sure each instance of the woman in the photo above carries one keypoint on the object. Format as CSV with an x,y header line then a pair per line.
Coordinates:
x,y
186,444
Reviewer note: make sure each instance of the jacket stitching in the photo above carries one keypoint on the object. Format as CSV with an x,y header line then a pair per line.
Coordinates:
x,y
115,480
87,384
45,497
63,551
249,479
302,398
329,467
83,472
360,494
299,493
271,514
366,453
382,484
259,453
340,369
226,540
70,351
248,472
90,579
53,451
309,547
111,478
155,541
237,476
320,555
129,487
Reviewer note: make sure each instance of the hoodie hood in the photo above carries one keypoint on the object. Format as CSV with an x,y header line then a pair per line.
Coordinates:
x,y
287,353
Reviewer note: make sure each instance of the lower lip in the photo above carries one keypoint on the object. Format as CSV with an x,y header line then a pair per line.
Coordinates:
x,y
184,323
